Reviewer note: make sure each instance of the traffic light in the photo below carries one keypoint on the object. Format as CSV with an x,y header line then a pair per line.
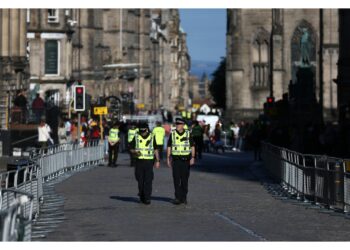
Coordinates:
x,y
79,98
270,100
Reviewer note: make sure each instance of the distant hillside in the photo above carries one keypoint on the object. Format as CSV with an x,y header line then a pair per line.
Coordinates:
x,y
200,67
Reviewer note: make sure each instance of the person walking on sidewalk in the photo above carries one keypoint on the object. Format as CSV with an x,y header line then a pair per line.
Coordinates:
x,y
144,147
113,145
197,134
159,134
180,156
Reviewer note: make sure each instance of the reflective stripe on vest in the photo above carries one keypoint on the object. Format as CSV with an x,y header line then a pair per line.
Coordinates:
x,y
147,152
113,134
179,147
159,133
131,134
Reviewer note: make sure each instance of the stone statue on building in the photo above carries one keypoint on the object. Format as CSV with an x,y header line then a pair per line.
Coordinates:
x,y
305,48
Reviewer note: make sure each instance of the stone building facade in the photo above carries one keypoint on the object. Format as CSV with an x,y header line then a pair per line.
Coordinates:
x,y
173,60
199,90
138,55
249,43
14,71
49,36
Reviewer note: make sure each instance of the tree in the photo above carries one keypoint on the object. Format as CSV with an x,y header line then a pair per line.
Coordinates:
x,y
217,87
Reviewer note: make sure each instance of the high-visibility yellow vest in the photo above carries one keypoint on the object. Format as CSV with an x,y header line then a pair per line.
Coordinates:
x,y
132,133
185,127
189,115
183,114
145,147
180,143
113,135
159,133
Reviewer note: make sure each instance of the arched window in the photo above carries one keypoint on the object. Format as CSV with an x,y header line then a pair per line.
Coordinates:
x,y
260,58
296,54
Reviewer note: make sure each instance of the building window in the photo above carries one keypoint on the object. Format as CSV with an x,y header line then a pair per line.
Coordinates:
x,y
52,15
28,15
52,56
260,54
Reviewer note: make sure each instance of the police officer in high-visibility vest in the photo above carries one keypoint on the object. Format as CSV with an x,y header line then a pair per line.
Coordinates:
x,y
113,145
180,156
159,134
132,131
144,147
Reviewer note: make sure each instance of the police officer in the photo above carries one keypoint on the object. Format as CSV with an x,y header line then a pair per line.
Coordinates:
x,y
133,130
144,147
180,156
159,134
113,145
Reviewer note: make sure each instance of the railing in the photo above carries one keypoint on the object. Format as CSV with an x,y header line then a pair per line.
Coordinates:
x,y
15,215
45,164
319,179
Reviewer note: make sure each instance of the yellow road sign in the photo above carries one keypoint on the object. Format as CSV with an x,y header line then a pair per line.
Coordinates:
x,y
100,111
140,106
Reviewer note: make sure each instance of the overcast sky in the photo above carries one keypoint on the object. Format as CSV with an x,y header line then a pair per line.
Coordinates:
x,y
206,31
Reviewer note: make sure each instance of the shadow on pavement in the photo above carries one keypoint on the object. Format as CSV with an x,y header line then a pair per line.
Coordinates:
x,y
231,164
165,199
126,199
136,200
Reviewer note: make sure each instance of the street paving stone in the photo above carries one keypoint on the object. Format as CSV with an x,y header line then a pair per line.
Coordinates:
x,y
227,202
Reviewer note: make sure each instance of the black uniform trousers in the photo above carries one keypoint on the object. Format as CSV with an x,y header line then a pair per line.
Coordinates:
x,y
198,142
181,174
132,157
113,153
144,176
160,150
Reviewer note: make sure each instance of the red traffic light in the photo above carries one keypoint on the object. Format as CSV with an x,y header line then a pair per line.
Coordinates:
x,y
270,99
79,90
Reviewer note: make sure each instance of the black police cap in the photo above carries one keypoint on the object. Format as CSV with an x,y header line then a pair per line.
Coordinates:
x,y
179,121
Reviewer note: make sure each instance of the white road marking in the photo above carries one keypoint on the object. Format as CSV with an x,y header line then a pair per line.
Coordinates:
x,y
247,230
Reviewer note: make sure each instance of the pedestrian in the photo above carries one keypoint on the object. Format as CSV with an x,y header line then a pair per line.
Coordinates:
x,y
52,118
38,107
235,130
62,136
95,134
197,134
242,132
132,131
180,156
159,134
74,132
21,102
105,136
144,147
113,145
44,136
206,139
68,126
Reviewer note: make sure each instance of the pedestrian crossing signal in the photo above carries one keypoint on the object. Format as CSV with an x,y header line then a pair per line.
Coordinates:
x,y
79,98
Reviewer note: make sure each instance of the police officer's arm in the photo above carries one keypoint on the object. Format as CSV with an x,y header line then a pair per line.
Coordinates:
x,y
168,151
156,151
193,150
132,146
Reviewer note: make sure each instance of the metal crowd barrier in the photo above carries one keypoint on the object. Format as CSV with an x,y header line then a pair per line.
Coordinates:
x,y
319,179
15,215
47,164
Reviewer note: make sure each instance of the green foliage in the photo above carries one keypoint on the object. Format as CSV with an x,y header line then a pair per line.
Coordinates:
x,y
217,87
